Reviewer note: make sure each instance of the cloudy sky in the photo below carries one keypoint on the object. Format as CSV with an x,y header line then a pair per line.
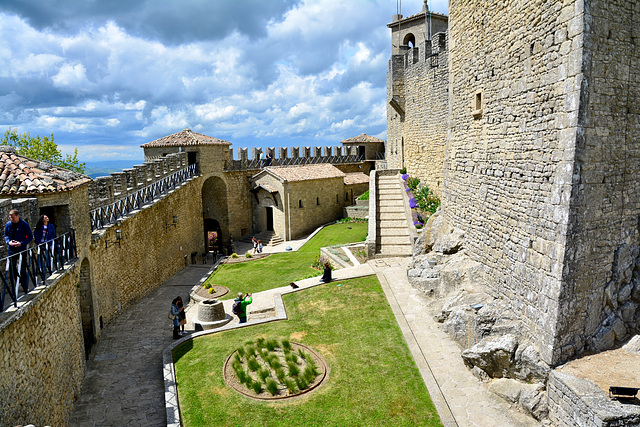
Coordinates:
x,y
106,76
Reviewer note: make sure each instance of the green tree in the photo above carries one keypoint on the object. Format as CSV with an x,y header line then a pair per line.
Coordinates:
x,y
43,149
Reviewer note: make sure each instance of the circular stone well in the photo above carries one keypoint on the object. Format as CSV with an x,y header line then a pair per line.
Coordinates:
x,y
211,315
231,379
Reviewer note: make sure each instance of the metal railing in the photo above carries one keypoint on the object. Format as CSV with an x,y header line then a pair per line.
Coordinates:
x,y
234,165
380,155
22,272
109,214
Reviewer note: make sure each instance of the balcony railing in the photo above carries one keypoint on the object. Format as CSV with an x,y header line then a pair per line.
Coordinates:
x,y
290,161
22,272
109,214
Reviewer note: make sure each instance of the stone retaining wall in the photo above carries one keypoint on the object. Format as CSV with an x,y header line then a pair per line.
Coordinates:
x,y
42,355
575,402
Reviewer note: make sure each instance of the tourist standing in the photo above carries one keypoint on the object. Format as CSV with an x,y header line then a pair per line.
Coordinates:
x,y
44,230
176,320
259,246
240,306
17,235
182,316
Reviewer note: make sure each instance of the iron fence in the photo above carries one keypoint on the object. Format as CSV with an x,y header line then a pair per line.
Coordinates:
x,y
109,214
22,272
234,165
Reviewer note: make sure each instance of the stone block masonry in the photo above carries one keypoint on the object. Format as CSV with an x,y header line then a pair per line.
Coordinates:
x,y
150,251
542,153
42,356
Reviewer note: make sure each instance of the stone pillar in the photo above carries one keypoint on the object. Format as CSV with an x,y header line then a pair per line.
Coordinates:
x,y
256,153
282,152
306,151
295,152
327,151
317,151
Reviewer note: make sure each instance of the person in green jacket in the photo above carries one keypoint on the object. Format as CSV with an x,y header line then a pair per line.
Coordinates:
x,y
243,302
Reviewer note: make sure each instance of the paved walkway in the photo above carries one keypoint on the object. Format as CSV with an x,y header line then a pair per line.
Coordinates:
x,y
124,380
123,384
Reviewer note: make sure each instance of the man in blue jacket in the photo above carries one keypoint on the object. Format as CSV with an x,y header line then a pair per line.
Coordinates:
x,y
17,235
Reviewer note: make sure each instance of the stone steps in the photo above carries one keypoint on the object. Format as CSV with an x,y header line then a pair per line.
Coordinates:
x,y
393,231
393,238
395,241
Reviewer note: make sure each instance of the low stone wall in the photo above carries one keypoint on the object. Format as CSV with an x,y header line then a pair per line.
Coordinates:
x,y
42,355
356,211
578,402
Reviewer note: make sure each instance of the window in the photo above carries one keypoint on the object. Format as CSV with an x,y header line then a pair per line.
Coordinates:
x,y
317,201
300,204
477,104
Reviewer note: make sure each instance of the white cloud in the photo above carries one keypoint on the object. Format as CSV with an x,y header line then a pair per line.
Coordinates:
x,y
314,74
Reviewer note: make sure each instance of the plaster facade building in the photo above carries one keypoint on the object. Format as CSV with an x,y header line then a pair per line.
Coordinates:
x,y
524,117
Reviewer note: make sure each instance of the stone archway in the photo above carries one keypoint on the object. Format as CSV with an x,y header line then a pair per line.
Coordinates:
x,y
86,307
215,211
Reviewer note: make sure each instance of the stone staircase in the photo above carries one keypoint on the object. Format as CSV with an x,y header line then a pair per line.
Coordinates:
x,y
392,234
268,238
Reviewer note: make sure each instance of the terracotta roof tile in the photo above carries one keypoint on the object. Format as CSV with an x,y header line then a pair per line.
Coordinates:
x,y
362,138
306,172
356,178
185,137
21,175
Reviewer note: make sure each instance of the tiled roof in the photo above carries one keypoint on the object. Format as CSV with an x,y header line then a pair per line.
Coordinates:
x,y
185,137
21,175
267,187
362,138
306,172
356,178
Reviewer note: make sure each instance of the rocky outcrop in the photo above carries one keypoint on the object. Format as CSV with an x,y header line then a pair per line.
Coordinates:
x,y
531,398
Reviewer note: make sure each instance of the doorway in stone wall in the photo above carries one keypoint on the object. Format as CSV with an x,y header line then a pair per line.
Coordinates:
x,y
269,218
215,211
212,236
86,307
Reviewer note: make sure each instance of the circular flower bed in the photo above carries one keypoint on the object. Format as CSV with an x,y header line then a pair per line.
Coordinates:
x,y
271,369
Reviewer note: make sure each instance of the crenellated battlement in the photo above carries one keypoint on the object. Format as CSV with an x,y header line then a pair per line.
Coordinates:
x,y
108,189
432,52
291,156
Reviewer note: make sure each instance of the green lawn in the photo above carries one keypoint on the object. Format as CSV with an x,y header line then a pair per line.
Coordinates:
x,y
283,268
373,379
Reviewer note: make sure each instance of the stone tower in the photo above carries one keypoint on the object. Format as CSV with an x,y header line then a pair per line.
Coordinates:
x,y
542,155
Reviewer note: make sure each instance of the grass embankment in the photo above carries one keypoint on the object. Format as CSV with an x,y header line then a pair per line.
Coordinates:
x,y
283,268
373,379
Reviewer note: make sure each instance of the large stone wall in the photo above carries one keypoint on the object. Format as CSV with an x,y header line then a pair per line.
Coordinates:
x,y
509,166
602,242
150,250
425,125
42,355
541,164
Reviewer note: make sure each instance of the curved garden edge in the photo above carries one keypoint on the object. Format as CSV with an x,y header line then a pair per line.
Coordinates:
x,y
317,383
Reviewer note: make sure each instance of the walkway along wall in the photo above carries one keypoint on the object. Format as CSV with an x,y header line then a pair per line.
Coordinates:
x,y
152,249
42,356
